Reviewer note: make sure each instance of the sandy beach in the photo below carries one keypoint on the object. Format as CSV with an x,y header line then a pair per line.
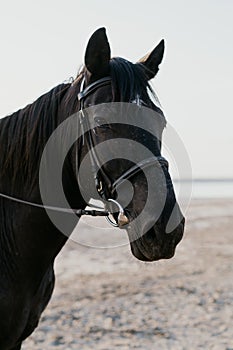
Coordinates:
x,y
105,299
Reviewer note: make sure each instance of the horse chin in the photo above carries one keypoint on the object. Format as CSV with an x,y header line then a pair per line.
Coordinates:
x,y
139,253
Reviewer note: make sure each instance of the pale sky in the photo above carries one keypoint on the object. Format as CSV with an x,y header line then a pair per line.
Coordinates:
x,y
43,42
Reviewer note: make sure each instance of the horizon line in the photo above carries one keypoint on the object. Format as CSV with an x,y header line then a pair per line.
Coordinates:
x,y
205,179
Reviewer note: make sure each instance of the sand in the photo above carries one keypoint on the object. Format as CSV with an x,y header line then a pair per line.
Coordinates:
x,y
105,299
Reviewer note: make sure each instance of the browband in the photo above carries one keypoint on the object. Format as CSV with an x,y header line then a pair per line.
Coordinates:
x,y
90,88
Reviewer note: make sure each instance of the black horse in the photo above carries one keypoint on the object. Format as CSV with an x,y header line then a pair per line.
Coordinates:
x,y
29,240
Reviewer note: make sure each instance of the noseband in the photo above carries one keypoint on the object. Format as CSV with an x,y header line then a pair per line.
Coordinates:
x,y
104,185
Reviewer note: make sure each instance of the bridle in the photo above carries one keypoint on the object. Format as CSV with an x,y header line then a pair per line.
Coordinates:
x,y
105,187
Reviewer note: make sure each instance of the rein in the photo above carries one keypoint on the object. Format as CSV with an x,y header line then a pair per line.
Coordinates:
x,y
105,181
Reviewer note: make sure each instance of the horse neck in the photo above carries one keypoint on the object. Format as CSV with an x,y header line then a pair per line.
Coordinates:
x,y
27,233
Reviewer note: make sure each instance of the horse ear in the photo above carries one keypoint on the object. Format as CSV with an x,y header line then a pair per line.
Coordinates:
x,y
98,53
153,59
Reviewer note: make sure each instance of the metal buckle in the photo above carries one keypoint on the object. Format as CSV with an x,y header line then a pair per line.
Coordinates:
x,y
122,219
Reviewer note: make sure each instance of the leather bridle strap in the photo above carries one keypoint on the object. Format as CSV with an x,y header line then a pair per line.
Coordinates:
x,y
135,169
84,92
78,212
97,170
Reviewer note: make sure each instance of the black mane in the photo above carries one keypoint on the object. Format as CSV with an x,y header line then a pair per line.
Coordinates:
x,y
24,133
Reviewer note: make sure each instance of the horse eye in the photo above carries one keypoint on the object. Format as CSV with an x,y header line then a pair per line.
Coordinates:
x,y
101,122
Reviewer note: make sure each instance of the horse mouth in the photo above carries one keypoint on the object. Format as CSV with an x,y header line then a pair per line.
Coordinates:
x,y
148,256
150,248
